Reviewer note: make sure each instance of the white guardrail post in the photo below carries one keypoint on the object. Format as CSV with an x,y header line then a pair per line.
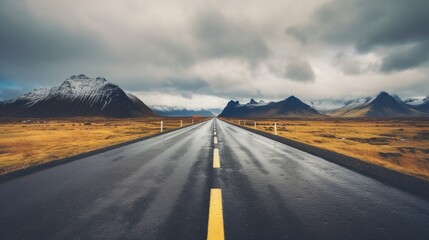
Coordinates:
x,y
162,125
275,128
181,123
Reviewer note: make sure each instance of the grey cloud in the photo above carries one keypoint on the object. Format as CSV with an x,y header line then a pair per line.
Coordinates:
x,y
183,86
299,70
186,84
34,48
350,65
367,23
406,57
27,40
223,37
372,24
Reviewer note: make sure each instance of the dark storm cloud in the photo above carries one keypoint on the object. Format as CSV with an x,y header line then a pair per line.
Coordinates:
x,y
368,23
223,37
406,57
27,40
299,70
371,24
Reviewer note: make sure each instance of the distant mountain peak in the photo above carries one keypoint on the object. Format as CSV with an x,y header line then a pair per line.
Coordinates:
x,y
252,101
233,103
383,105
290,107
292,98
293,101
80,76
385,99
78,95
383,94
421,104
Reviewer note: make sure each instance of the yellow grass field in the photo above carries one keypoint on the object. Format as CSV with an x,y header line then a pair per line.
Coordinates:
x,y
398,144
25,143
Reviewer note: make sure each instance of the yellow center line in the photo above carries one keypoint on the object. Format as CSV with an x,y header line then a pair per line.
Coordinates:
x,y
215,140
215,229
216,160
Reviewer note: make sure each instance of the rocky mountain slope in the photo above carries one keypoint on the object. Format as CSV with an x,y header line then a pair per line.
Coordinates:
x,y
384,105
290,107
79,95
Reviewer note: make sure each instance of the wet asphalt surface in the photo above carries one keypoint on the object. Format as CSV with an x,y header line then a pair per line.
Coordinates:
x,y
159,189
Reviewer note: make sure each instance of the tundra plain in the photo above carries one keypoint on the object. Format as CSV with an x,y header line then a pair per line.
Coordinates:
x,y
398,144
28,142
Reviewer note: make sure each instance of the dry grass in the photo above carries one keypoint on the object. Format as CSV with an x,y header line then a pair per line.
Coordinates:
x,y
398,144
24,144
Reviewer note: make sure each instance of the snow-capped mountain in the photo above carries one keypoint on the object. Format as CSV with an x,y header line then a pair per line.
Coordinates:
x,y
414,101
383,105
422,105
327,104
290,107
78,95
181,112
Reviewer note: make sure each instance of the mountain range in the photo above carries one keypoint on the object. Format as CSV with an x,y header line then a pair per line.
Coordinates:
x,y
78,95
290,107
383,105
422,105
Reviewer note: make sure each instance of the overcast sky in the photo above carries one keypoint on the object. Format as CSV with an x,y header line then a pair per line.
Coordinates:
x,y
203,53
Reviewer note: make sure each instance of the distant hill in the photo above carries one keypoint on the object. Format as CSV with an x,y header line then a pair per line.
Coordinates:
x,y
327,105
420,104
414,101
79,95
384,105
290,107
181,112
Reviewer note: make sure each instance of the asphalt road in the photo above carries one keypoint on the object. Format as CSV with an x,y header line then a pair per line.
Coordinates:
x,y
160,189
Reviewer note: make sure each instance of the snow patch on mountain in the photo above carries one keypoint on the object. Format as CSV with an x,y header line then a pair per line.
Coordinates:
x,y
33,96
78,95
414,101
326,105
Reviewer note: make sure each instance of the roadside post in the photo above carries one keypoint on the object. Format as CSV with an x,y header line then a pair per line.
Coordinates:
x,y
162,125
275,128
181,123
255,125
